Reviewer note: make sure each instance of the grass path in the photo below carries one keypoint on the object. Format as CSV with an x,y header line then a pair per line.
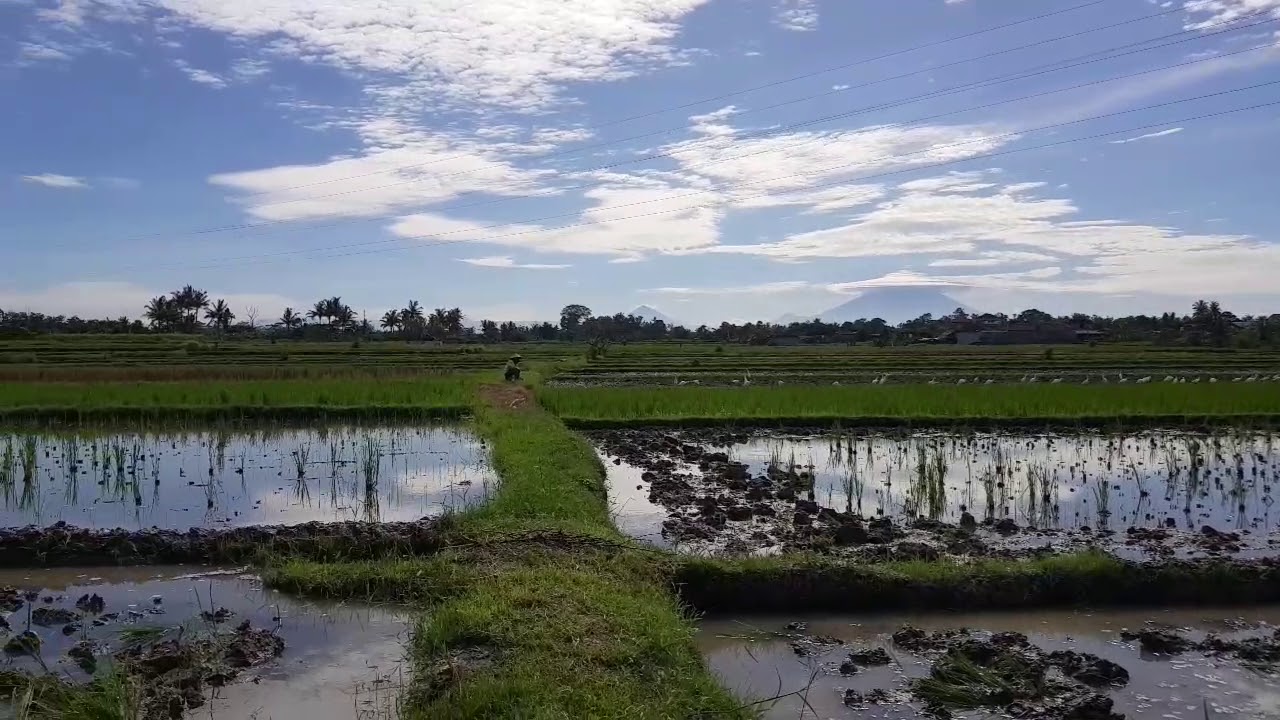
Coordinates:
x,y
579,625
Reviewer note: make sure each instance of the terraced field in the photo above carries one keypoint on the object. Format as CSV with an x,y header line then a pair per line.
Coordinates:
x,y
551,544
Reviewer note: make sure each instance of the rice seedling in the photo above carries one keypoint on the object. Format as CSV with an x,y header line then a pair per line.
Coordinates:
x,y
853,488
300,456
1102,500
988,479
371,462
30,452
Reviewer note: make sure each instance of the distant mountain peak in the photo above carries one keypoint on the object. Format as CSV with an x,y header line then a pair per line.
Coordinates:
x,y
651,313
894,305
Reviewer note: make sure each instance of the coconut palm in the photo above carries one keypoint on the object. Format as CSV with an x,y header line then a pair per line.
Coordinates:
x,y
219,315
189,301
290,319
411,319
391,320
319,311
163,313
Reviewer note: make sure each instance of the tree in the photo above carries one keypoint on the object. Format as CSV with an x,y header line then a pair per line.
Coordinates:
x,y
219,315
251,314
411,319
571,317
189,301
489,331
319,311
290,319
162,313
391,320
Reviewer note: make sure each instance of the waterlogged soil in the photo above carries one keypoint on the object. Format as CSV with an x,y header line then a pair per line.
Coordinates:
x,y
1060,665
226,479
1144,496
294,659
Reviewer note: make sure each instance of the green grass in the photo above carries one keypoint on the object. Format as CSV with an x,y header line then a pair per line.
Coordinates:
x,y
922,403
109,697
233,398
814,583
534,626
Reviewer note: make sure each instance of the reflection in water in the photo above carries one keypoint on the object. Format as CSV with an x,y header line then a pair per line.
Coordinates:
x,y
221,478
755,663
340,660
1223,479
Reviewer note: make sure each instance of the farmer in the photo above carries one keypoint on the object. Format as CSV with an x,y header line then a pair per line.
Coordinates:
x,y
512,372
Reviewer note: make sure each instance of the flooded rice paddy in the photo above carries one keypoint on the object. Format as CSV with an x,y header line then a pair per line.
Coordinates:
x,y
810,662
696,487
228,478
336,660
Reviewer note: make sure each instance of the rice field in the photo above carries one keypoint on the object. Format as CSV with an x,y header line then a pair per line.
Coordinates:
x,y
918,403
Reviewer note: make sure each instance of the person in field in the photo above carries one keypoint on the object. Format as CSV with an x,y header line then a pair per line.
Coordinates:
x,y
512,371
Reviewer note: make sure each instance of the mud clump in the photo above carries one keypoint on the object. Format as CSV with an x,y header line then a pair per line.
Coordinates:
x,y
50,617
175,673
62,544
870,657
1008,674
1158,641
913,639
84,656
10,599
91,603
1089,669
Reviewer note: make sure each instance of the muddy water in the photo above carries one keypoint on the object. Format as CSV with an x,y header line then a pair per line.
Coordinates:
x,y
629,505
340,661
229,479
753,661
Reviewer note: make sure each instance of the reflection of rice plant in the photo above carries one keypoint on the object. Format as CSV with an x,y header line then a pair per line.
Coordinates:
x,y
1195,455
853,488
371,462
1037,480
1102,497
1137,479
988,479
29,452
300,459
8,466
223,438
928,490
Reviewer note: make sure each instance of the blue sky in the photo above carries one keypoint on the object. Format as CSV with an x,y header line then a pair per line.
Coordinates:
x,y
716,159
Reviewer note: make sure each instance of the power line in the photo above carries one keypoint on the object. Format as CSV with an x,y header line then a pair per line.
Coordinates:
x,y
881,160
752,89
1036,71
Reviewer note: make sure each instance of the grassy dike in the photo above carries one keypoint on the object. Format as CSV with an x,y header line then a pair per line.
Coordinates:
x,y
537,608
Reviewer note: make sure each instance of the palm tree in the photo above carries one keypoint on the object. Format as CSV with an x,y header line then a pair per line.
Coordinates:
x,y
189,301
411,318
391,320
220,315
162,312
290,319
319,311
343,315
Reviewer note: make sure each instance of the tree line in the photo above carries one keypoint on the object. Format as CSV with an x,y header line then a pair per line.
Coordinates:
x,y
191,310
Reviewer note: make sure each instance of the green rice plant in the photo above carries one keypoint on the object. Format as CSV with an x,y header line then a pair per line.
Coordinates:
x,y
371,462
988,479
1102,499
8,465
1195,461
30,451
854,486
300,456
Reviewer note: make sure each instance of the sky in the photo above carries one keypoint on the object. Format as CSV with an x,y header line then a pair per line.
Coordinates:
x,y
715,159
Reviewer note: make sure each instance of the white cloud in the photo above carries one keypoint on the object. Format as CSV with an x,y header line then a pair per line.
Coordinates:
x,y
771,288
67,12
1148,136
665,223
995,258
506,261
36,52
798,15
401,168
52,180
516,54
111,299
1203,13
198,75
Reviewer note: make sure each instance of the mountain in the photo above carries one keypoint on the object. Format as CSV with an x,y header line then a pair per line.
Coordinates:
x,y
650,313
894,305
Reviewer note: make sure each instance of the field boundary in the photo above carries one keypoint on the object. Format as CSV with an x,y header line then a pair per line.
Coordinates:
x,y
870,422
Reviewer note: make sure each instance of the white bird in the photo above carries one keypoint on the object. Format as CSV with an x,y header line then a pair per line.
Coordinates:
x,y
1034,378
961,381
1251,378
1235,379
1195,380
933,382
1168,378
837,382
1056,381
1024,378
990,381
1213,379
1145,380
1085,381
